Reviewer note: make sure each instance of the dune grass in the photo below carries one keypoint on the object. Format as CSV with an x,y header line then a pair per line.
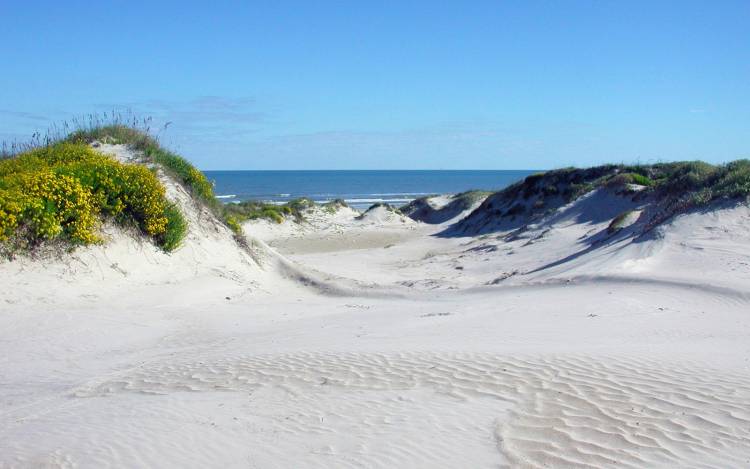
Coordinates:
x,y
701,183
468,198
675,187
333,206
693,180
236,214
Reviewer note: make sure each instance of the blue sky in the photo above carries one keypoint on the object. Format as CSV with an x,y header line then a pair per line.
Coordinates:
x,y
393,84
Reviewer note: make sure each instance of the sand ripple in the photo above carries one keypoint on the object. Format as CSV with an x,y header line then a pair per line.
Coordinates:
x,y
551,412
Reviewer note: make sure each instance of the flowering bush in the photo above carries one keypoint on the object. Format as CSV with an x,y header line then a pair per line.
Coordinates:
x,y
141,141
63,189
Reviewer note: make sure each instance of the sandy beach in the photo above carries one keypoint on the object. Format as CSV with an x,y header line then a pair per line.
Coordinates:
x,y
376,340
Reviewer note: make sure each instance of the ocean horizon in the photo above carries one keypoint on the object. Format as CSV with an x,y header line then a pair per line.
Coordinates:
x,y
359,188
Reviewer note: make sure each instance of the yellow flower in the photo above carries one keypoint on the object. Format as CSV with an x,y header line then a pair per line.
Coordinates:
x,y
65,188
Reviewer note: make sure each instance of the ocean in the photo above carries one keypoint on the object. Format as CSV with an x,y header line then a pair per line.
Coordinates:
x,y
360,189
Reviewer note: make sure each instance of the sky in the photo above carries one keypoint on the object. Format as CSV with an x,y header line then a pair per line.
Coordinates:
x,y
391,84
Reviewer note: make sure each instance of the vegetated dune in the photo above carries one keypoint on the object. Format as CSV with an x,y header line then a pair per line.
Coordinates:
x,y
664,189
603,235
596,222
210,259
586,225
126,259
597,326
382,213
444,208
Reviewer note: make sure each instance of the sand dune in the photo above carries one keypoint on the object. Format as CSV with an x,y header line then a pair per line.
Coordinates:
x,y
382,342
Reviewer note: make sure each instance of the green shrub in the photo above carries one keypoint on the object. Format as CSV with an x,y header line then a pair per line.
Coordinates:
x,y
733,180
194,179
61,190
681,178
176,229
640,179
620,180
699,183
233,224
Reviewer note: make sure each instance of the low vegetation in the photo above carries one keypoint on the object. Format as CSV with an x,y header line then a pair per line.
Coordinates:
x,y
699,183
694,183
61,191
57,187
671,188
467,199
238,213
334,206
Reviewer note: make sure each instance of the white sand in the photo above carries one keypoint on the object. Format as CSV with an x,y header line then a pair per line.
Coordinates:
x,y
507,350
